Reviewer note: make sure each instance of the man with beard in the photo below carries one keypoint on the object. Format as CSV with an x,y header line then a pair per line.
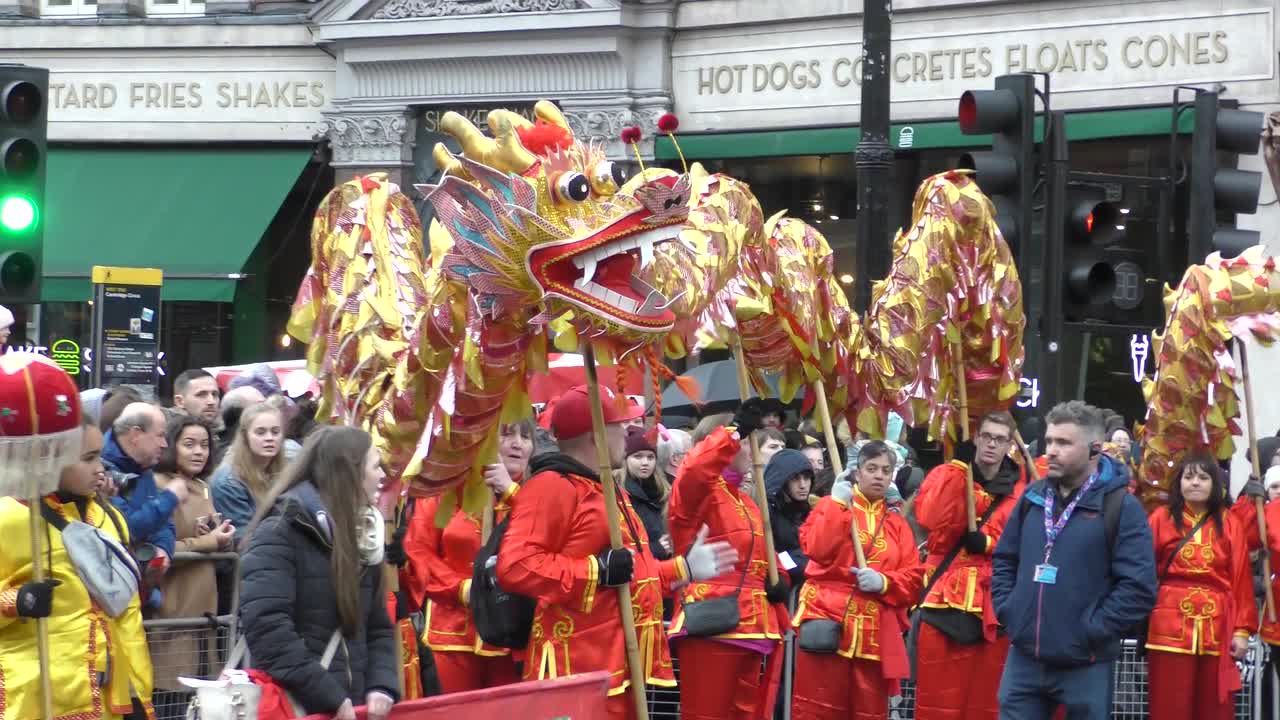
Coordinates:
x,y
1065,585
961,650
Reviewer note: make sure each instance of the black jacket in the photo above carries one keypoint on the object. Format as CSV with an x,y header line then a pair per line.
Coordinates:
x,y
649,508
785,517
288,611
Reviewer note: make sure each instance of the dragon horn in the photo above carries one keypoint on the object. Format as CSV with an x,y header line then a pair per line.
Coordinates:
x,y
504,153
445,160
547,111
514,119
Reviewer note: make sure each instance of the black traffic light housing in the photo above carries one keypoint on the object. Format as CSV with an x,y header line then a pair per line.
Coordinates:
x,y
1093,224
1215,190
24,108
1007,172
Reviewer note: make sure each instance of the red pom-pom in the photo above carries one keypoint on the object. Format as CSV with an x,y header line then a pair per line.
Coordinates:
x,y
630,135
668,123
544,138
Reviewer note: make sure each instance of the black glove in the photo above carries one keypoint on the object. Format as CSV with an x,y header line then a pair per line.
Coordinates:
x,y
750,417
965,452
35,599
1253,488
394,552
975,543
616,567
778,592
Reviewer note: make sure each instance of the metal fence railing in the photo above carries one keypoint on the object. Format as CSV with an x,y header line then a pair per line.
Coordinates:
x,y
195,647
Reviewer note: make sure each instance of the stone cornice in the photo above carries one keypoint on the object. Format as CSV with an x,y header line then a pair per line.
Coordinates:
x,y
400,9
365,138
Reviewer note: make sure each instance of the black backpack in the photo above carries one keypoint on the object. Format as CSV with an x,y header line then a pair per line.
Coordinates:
x,y
502,618
1111,503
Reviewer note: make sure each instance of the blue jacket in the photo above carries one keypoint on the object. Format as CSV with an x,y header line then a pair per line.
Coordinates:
x,y
147,510
1100,592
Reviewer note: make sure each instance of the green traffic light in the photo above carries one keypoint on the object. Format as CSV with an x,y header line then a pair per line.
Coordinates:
x,y
17,213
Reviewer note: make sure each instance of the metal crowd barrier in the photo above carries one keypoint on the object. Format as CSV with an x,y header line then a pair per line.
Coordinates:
x,y
1129,699
190,647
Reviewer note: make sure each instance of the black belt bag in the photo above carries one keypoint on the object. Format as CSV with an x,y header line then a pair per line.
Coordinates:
x,y
717,616
821,636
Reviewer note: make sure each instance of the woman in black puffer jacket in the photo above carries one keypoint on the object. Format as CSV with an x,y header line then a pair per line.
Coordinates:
x,y
314,564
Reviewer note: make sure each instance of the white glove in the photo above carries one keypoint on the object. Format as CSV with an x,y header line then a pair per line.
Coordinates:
x,y
842,490
869,581
708,560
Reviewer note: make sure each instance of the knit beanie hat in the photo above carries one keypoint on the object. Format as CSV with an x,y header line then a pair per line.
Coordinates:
x,y
638,441
785,465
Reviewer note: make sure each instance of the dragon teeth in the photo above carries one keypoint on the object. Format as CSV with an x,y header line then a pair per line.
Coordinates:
x,y
646,253
588,266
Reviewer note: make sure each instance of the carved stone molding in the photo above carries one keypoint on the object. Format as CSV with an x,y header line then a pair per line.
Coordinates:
x,y
605,126
369,138
397,9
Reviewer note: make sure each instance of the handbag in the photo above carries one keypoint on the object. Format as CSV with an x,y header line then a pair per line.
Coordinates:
x,y
704,618
251,695
108,571
821,636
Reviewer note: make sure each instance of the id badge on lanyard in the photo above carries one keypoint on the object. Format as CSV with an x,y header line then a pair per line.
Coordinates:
x,y
1046,573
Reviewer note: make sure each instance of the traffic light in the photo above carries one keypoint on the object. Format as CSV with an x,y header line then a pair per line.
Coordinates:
x,y
24,92
1216,190
1007,172
1093,225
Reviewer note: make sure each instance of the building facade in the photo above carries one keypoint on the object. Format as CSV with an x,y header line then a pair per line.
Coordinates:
x,y
183,136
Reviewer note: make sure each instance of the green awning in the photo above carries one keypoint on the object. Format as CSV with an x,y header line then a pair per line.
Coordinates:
x,y
917,136
196,213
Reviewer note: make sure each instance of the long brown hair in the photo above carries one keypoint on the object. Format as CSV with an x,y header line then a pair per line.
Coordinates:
x,y
332,460
257,478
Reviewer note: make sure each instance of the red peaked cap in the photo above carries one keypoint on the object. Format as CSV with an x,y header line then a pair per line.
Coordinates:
x,y
36,397
569,415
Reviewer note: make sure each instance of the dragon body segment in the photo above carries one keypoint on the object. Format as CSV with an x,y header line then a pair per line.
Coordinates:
x,y
540,241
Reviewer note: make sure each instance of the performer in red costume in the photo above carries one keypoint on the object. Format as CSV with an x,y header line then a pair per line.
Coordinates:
x,y
960,655
440,563
1205,610
557,550
858,667
737,671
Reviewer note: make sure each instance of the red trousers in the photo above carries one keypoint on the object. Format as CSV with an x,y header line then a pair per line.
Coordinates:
x,y
719,681
830,687
1182,687
958,682
463,671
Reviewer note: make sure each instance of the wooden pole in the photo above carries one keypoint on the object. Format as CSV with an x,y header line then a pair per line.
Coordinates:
x,y
615,533
1257,472
37,575
837,462
1032,471
757,475
486,520
971,512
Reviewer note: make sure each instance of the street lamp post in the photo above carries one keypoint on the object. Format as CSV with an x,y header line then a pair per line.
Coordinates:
x,y
873,156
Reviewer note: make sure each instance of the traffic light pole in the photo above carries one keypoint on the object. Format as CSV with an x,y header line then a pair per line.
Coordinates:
x,y
873,156
1051,319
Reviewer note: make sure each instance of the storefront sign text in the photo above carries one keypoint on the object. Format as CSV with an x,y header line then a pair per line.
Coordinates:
x,y
759,79
188,95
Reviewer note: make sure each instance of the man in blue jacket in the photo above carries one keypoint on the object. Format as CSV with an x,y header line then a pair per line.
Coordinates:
x,y
1065,586
130,450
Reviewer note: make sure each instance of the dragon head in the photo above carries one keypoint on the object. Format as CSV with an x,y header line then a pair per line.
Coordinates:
x,y
539,223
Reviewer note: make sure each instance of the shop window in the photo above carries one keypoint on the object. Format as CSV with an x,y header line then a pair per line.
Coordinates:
x,y
68,7
175,7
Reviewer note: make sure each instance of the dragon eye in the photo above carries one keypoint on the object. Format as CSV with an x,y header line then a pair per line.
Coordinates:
x,y
573,186
607,177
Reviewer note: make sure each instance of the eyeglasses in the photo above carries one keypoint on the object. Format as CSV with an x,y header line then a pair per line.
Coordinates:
x,y
989,439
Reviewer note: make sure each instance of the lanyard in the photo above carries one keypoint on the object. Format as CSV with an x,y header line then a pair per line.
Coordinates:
x,y
1053,529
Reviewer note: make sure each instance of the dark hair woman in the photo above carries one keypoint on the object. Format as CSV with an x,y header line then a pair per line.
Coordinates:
x,y
1204,611
313,564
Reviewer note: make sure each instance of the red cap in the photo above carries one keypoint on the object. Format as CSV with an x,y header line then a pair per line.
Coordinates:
x,y
569,415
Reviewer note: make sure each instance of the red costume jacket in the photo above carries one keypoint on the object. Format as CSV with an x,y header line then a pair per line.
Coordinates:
x,y
873,623
1207,593
940,508
1246,515
558,525
701,496
438,577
